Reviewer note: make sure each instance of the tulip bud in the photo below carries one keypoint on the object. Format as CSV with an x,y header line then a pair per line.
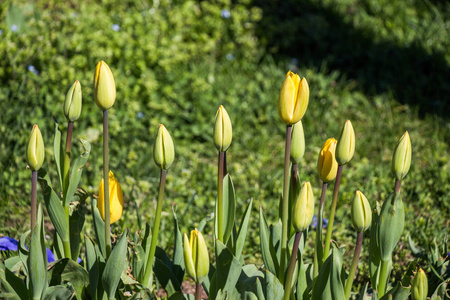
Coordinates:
x,y
293,99
72,104
35,149
303,210
196,258
223,132
104,86
297,143
115,199
327,164
361,212
346,144
419,286
163,151
401,160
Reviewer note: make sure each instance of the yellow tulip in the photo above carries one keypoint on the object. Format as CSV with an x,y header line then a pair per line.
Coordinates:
x,y
163,150
72,104
303,210
361,212
104,86
419,286
115,199
293,99
297,143
35,149
223,132
401,160
196,258
327,164
346,144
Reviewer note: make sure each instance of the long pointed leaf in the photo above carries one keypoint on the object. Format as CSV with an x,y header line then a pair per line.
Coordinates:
x,y
229,207
77,170
58,154
240,240
114,267
265,243
37,260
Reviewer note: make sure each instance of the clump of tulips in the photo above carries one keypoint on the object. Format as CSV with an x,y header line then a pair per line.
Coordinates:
x,y
134,267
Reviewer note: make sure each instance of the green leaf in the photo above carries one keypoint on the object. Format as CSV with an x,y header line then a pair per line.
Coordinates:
x,y
23,251
58,292
266,247
114,267
240,240
166,277
12,285
77,170
178,258
66,270
76,226
329,285
374,248
99,227
228,269
37,259
390,225
14,264
92,267
273,289
177,296
58,153
229,207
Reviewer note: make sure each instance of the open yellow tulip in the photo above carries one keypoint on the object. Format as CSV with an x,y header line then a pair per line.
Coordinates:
x,y
115,199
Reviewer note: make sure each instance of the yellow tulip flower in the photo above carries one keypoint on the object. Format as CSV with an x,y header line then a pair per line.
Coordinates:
x,y
115,199
196,258
223,132
104,86
293,99
327,164
35,149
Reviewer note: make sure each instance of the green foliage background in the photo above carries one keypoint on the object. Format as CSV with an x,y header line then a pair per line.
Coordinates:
x,y
381,64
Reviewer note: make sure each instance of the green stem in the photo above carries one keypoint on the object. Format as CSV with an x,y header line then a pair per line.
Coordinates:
x,y
318,254
33,199
66,240
290,272
351,274
106,184
285,206
198,291
333,212
383,278
220,175
148,276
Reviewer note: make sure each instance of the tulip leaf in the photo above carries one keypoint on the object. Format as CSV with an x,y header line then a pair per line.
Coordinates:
x,y
229,207
58,292
178,258
77,170
23,251
248,279
390,225
114,267
228,269
240,240
99,227
11,285
58,153
178,296
374,248
266,248
14,264
273,288
76,221
67,270
166,277
92,267
54,207
37,259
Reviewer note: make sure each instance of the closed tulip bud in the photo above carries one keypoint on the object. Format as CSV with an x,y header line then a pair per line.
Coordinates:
x,y
303,210
223,132
293,99
361,212
163,151
297,143
196,258
346,144
115,199
419,286
401,160
104,86
72,104
327,164
35,149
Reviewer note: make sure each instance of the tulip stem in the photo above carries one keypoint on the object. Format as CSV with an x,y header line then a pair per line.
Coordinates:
x,y
351,274
220,175
285,206
383,278
66,240
290,272
33,199
106,184
318,254
294,191
333,212
148,276
398,185
198,291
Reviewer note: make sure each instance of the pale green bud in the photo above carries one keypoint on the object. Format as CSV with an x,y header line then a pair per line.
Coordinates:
x,y
303,209
419,286
401,160
35,149
361,212
223,132
72,104
297,143
163,150
346,144
104,86
196,257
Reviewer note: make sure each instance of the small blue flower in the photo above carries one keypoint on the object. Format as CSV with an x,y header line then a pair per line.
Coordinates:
x,y
225,13
33,70
115,27
14,28
8,244
140,115
50,256
229,56
314,222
